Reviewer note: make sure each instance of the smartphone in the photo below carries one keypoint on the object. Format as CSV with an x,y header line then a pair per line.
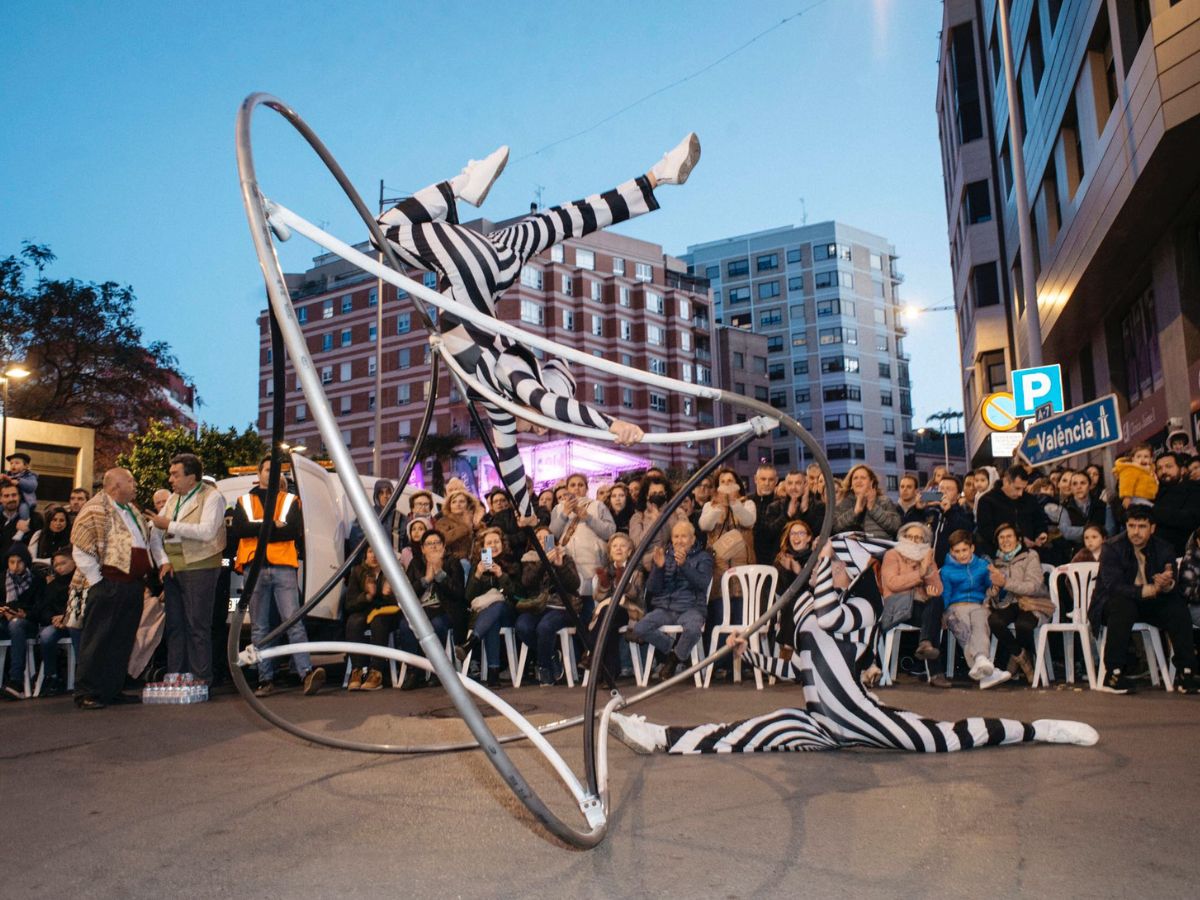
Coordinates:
x,y
486,556
931,496
548,543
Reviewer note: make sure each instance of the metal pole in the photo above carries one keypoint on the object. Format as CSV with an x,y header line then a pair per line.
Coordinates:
x,y
377,449
4,427
1033,319
945,446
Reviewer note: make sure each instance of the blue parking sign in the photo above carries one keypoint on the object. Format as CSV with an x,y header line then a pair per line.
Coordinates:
x,y
1037,387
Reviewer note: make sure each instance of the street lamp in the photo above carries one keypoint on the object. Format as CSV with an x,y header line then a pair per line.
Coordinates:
x,y
945,444
18,371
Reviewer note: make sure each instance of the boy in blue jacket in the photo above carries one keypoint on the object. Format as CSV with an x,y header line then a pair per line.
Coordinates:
x,y
967,582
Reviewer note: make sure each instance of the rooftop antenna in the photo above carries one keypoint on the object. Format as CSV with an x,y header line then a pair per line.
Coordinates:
x,y
537,193
803,213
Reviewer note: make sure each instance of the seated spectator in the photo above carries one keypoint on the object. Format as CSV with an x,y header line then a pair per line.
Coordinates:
x,y
412,545
676,594
582,528
966,581
1093,539
440,585
985,479
23,592
50,617
967,489
1177,504
949,514
630,610
909,502
864,507
1137,583
727,520
1008,503
655,495
798,502
542,611
420,503
912,592
370,605
15,528
492,589
545,500
457,524
1019,598
25,479
1095,476
619,506
795,548
49,540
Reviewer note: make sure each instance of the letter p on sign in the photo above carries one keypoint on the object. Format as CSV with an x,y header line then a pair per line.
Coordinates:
x,y
1037,387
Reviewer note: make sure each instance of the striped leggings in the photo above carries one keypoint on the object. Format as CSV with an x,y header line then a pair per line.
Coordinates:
x,y
478,268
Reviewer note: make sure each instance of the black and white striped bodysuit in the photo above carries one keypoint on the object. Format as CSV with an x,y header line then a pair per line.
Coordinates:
x,y
424,232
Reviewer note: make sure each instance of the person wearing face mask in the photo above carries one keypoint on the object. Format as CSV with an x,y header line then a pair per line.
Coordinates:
x,y
912,592
1018,597
631,608
656,492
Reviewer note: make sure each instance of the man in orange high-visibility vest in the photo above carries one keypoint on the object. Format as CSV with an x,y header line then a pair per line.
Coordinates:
x,y
278,579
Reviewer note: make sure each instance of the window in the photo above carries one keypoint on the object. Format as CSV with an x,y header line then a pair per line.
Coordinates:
x,y
776,372
626,328
302,315
685,340
768,290
327,375
844,422
799,339
793,255
623,296
657,366
568,320
968,115
803,395
654,302
327,341
796,284
769,318
978,202
775,343
371,365
403,323
838,336
736,268
876,261
831,251
327,310
626,359
585,259
532,312
627,398
568,285
372,332
885,370
658,402
346,372
654,335
881,343
404,358
598,394
760,365
889,455
800,367
269,386
373,298
1037,54
301,412
889,425
556,253
1102,67
618,265
835,308
403,394
346,404
839,364
985,285
598,326
739,359
348,303
848,450
842,392
893,482
643,272
779,399
1072,148
531,277
739,295
885,398
595,290
767,262
685,371
347,337
995,372
760,393
429,279
833,279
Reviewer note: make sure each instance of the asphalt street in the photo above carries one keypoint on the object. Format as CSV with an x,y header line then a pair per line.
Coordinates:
x,y
208,800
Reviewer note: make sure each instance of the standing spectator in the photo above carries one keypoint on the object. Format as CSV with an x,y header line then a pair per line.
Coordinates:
x,y
25,479
1018,598
23,592
278,584
1136,484
966,581
703,491
1194,468
950,514
912,507
112,562
935,477
542,611
79,496
766,530
1177,505
1179,441
676,594
1137,584
440,586
864,507
985,479
546,501
582,528
1081,509
912,592
15,528
48,540
631,609
188,544
1007,502
727,519
619,506
370,605
1095,475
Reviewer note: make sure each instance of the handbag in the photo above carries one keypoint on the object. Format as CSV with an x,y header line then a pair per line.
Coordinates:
x,y
1039,605
535,605
486,599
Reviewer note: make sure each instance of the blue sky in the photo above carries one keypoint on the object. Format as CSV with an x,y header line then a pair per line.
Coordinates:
x,y
118,148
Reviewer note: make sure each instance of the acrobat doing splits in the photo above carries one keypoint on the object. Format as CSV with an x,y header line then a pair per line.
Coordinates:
x,y
832,641
478,268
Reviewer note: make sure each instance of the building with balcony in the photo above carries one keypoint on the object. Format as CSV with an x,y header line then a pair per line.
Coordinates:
x,y
1108,94
824,297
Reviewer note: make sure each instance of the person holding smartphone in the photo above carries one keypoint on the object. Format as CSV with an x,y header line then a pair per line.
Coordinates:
x,y
1137,583
491,596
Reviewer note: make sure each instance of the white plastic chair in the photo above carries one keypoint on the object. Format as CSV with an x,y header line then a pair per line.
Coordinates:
x,y
515,671
391,662
891,652
4,645
398,679
1156,659
642,670
751,581
1081,581
69,644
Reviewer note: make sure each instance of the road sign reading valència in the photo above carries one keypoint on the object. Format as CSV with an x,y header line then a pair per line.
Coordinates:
x,y
1077,430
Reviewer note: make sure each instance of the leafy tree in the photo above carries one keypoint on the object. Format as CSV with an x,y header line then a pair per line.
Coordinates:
x,y
85,352
149,458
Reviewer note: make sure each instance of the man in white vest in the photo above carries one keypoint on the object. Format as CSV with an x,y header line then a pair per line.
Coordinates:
x,y
188,544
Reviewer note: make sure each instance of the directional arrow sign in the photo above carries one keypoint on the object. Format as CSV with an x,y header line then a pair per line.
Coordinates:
x,y
1077,430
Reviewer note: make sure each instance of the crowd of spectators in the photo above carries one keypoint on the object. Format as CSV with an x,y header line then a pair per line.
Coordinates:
x,y
970,557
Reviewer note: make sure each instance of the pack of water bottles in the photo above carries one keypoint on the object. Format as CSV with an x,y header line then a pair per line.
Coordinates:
x,y
175,689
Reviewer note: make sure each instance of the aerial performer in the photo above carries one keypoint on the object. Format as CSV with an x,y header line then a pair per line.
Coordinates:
x,y
477,268
833,640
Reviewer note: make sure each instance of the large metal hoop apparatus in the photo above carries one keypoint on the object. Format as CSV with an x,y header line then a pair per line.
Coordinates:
x,y
266,217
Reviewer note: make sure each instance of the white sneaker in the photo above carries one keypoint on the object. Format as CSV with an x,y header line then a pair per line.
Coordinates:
x,y
990,681
982,667
676,165
472,184
1060,731
639,735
